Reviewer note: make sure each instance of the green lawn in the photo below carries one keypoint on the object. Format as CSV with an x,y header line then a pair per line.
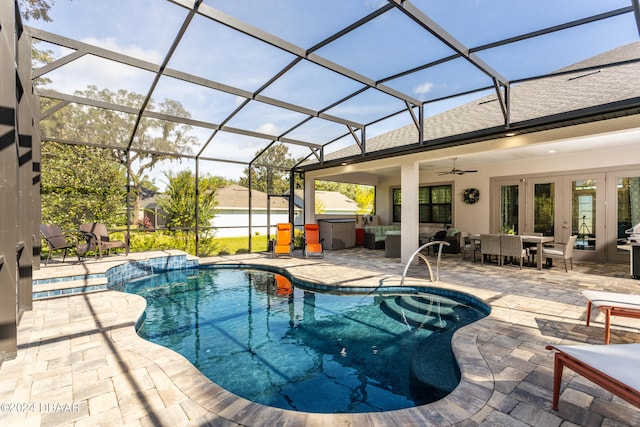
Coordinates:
x,y
234,245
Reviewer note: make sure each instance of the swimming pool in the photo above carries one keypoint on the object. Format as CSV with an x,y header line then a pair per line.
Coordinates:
x,y
256,335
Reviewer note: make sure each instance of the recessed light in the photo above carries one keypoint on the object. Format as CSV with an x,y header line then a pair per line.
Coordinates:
x,y
510,134
344,163
552,151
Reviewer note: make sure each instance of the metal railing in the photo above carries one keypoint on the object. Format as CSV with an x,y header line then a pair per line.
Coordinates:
x,y
423,257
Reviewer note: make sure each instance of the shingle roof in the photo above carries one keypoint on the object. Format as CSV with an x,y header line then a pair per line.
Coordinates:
x,y
237,197
332,200
530,100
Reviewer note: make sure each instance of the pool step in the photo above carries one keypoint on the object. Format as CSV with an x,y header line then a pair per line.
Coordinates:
x,y
64,287
434,312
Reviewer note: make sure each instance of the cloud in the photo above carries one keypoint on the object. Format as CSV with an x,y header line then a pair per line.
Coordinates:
x,y
269,129
137,52
423,89
105,74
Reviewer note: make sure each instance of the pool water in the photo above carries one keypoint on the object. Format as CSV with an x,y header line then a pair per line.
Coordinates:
x,y
254,334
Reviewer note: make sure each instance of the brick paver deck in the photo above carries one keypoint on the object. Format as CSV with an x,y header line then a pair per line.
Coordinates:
x,y
80,362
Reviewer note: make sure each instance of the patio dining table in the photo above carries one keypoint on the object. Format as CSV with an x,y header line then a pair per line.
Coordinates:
x,y
538,240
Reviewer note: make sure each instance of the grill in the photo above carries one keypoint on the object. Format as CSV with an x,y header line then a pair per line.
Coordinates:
x,y
634,234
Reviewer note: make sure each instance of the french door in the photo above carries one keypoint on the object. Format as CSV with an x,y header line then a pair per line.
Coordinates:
x,y
569,205
544,201
507,215
558,206
584,215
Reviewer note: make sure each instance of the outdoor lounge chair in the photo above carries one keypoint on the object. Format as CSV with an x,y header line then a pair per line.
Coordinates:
x,y
612,367
612,304
96,233
283,246
312,242
57,240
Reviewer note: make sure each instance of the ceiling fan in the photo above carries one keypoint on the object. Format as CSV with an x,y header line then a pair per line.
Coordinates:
x,y
455,171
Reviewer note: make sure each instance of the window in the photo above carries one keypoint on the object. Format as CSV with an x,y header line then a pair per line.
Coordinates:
x,y
434,204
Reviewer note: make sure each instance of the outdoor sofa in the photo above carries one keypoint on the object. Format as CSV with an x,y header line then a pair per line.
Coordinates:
x,y
374,235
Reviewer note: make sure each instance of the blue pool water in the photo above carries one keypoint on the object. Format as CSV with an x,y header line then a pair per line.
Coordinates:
x,y
254,334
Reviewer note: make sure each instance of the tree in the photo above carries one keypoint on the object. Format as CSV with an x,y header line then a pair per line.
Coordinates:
x,y
365,197
180,199
79,186
155,140
36,9
271,175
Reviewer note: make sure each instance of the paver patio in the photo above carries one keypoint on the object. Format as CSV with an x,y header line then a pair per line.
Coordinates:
x,y
80,362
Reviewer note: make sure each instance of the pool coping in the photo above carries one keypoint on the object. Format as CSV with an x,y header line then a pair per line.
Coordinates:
x,y
468,398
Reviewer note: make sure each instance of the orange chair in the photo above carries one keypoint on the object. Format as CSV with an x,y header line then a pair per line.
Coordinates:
x,y
283,285
283,245
312,242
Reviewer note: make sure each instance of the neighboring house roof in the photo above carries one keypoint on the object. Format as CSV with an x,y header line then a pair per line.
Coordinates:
x,y
334,201
237,197
149,198
331,201
529,100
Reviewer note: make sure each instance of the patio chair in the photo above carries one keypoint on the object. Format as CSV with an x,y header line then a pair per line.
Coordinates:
x,y
440,236
283,285
612,304
511,246
454,238
563,251
490,246
57,240
532,247
471,247
97,233
89,245
612,367
312,241
283,246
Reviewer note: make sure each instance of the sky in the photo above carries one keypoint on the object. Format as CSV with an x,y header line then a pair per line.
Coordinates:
x,y
384,47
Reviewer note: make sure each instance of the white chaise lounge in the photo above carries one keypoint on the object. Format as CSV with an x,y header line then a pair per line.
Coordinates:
x,y
613,367
612,304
